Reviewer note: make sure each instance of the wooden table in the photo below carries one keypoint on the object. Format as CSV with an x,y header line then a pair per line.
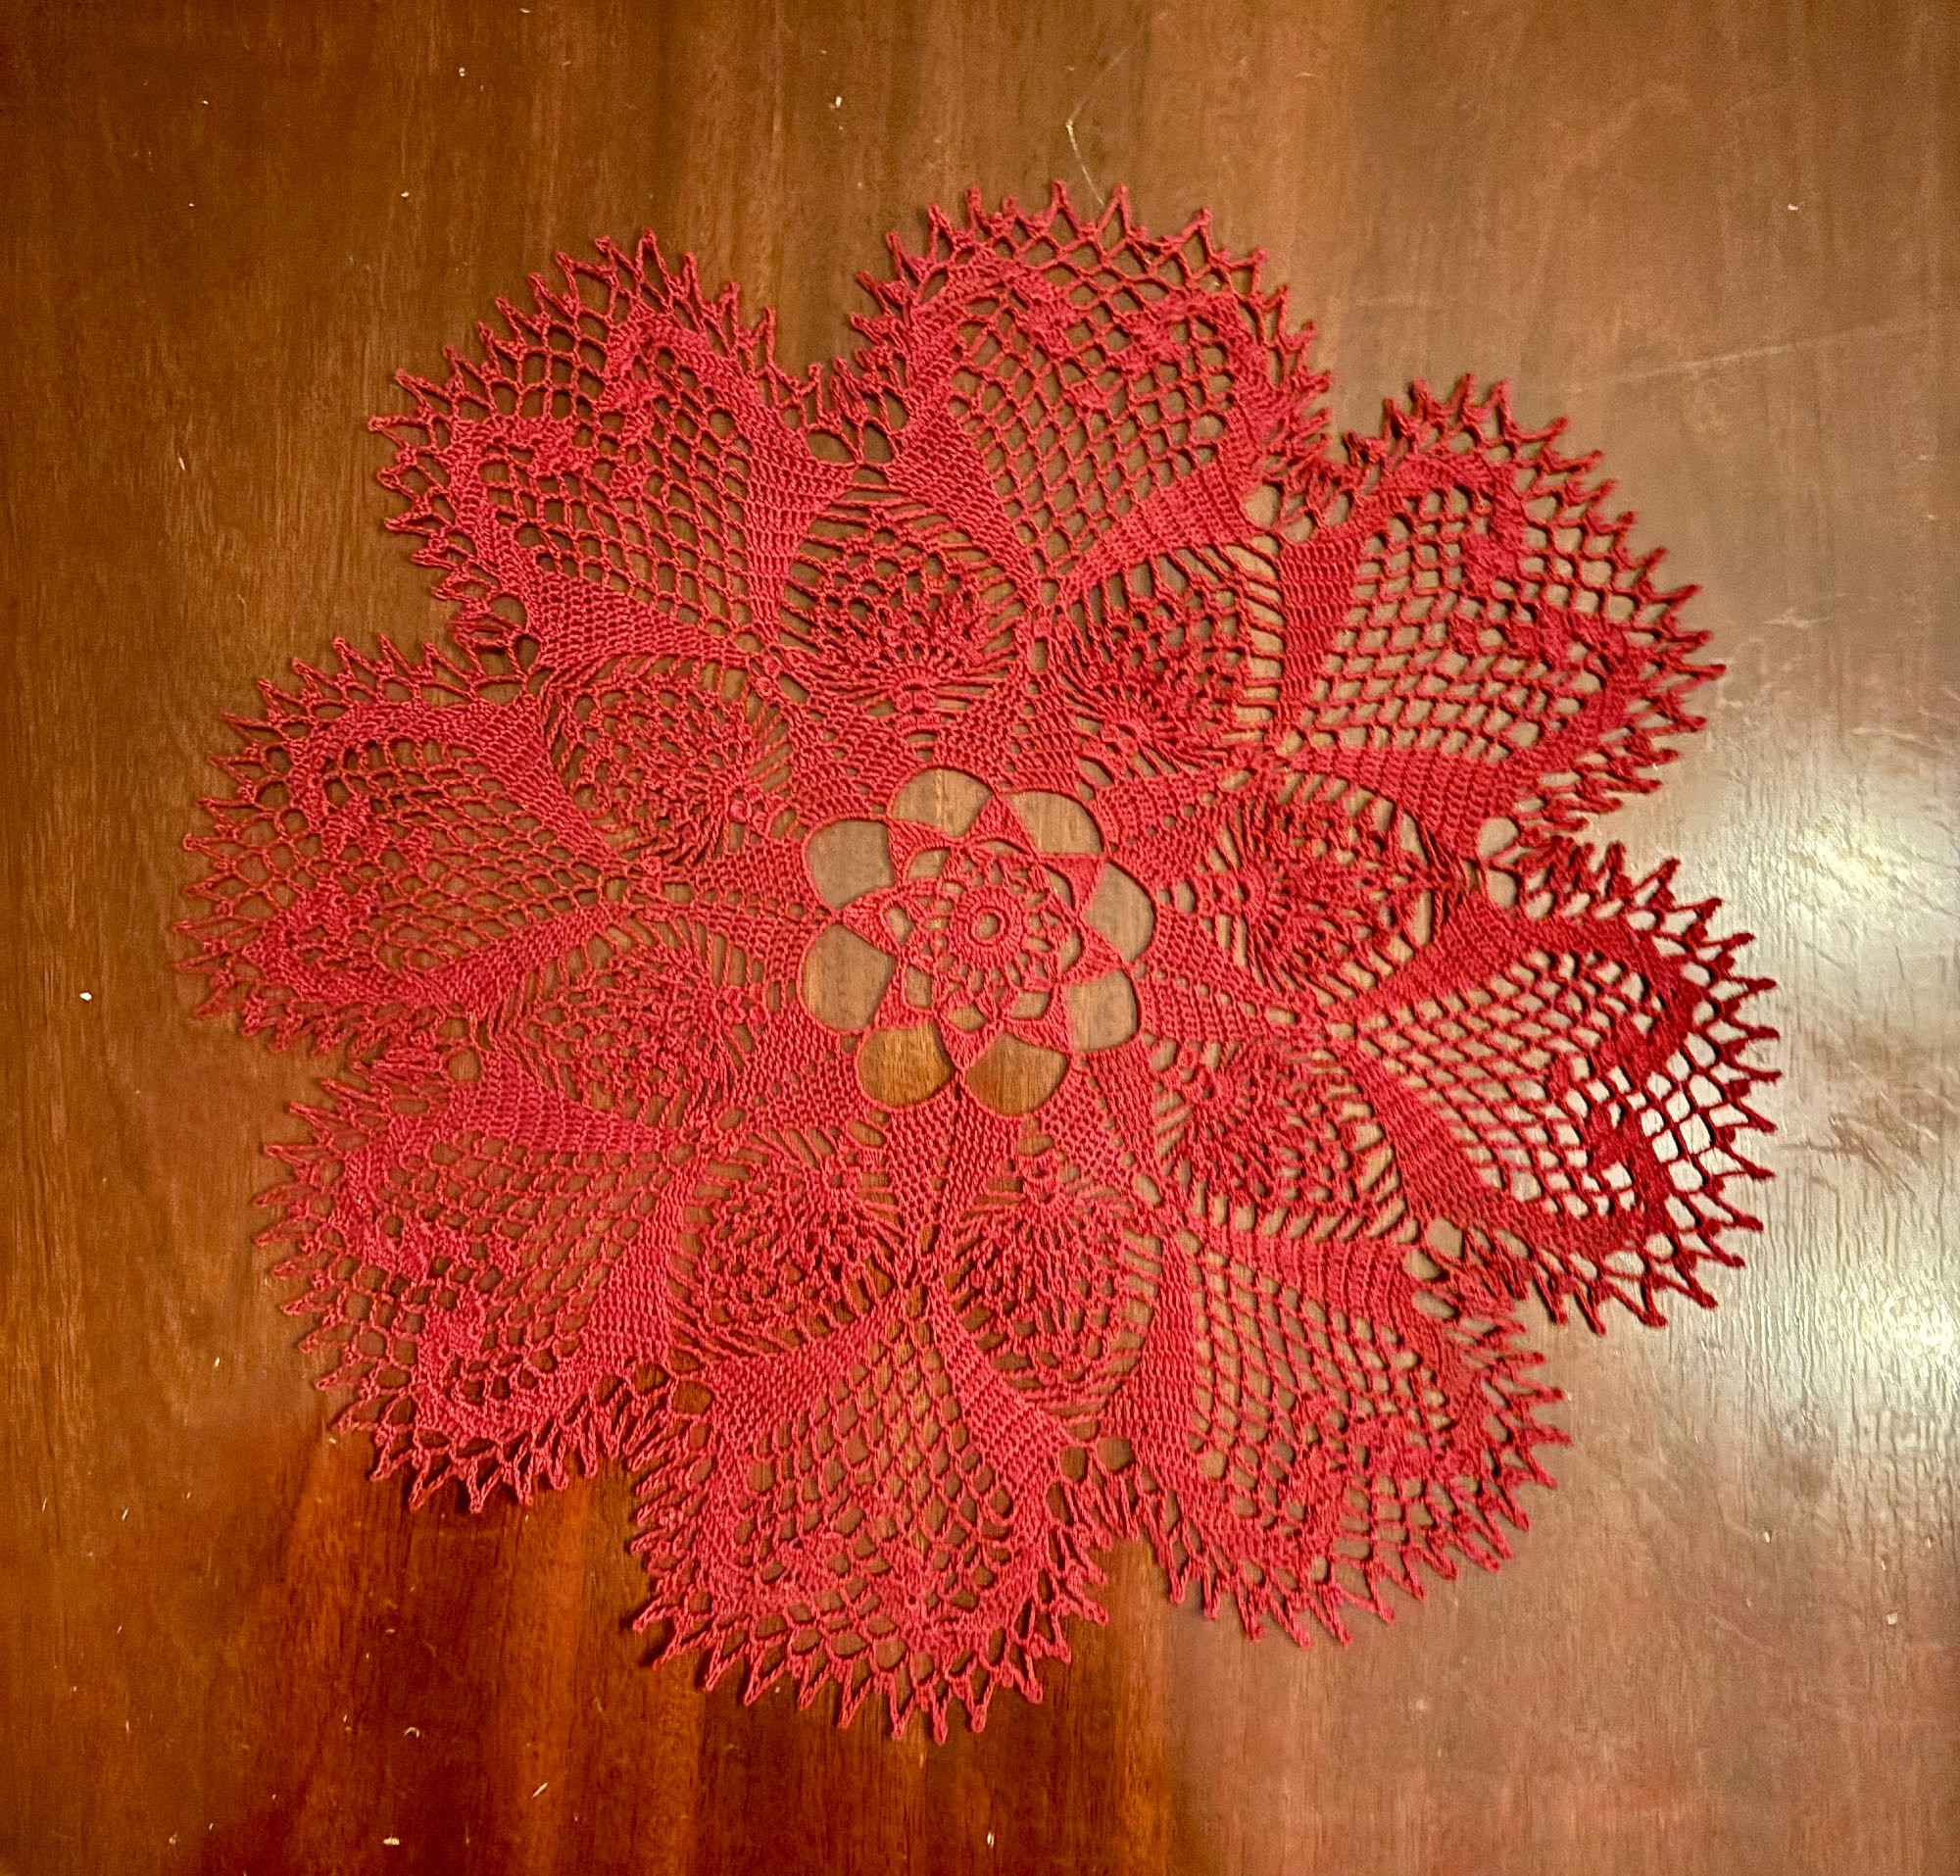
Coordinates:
x,y
1719,237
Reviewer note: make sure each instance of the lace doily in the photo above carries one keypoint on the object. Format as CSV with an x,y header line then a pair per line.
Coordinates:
x,y
979,953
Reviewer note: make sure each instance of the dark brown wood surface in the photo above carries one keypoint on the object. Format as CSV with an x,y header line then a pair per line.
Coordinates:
x,y
1720,236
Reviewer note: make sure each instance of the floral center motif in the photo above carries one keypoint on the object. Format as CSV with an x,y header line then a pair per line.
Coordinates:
x,y
985,937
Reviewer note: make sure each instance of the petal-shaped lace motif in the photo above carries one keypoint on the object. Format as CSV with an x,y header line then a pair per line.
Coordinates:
x,y
1569,1084
1080,394
476,1259
894,1519
1471,631
619,469
1315,1436
395,845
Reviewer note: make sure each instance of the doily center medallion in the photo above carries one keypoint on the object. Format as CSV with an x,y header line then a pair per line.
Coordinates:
x,y
979,953
979,939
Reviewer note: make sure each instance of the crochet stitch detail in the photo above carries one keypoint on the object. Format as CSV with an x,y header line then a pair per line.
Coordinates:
x,y
979,953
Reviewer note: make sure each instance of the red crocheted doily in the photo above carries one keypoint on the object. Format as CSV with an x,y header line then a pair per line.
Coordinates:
x,y
980,953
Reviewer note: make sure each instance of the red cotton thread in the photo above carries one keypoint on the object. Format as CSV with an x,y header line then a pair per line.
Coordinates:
x,y
980,953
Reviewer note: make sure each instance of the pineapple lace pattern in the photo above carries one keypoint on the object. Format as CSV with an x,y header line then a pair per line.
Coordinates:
x,y
981,952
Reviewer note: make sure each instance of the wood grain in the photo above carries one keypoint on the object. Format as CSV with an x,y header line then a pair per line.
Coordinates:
x,y
1721,237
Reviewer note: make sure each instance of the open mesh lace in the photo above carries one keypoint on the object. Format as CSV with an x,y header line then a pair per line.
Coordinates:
x,y
980,952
